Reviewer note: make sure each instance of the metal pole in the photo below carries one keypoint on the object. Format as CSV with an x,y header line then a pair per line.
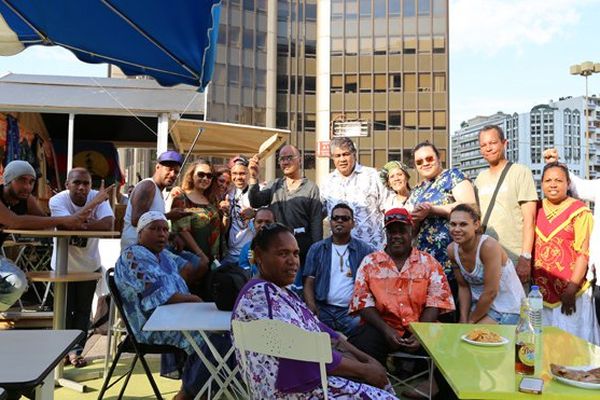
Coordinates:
x,y
70,146
587,132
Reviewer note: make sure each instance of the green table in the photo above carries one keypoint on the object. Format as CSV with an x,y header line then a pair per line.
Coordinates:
x,y
476,372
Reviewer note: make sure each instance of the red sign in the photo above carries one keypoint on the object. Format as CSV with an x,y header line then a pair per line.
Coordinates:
x,y
323,150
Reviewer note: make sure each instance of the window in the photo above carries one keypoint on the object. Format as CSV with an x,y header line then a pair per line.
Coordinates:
x,y
395,119
424,82
410,82
310,84
351,82
379,8
233,74
249,5
409,8
394,7
410,119
395,82
234,36
337,84
366,83
261,40
424,7
365,8
439,82
380,83
248,40
247,77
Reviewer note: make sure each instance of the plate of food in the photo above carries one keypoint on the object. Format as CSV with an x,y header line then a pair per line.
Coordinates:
x,y
484,337
586,377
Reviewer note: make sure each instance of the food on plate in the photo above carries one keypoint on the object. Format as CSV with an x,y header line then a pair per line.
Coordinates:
x,y
483,335
575,374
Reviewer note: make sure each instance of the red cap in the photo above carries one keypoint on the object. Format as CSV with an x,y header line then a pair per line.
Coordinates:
x,y
397,215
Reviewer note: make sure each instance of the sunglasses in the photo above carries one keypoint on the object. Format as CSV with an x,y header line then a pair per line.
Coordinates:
x,y
203,175
287,158
428,159
341,218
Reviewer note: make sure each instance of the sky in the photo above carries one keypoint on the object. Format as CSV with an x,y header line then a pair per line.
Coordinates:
x,y
505,55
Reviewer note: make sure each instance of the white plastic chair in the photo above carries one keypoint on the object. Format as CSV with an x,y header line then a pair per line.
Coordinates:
x,y
280,339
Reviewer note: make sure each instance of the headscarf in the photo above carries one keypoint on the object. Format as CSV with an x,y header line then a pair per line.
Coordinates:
x,y
149,217
387,168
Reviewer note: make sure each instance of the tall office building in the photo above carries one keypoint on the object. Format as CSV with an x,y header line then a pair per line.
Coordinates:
x,y
559,124
380,61
387,63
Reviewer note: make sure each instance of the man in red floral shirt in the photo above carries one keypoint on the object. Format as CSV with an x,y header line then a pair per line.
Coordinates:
x,y
395,287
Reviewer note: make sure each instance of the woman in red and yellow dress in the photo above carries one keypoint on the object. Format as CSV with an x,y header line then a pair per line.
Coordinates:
x,y
562,236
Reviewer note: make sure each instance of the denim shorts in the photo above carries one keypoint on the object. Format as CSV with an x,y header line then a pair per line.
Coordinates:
x,y
499,317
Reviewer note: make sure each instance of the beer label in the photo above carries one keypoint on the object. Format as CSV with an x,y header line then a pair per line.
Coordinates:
x,y
527,354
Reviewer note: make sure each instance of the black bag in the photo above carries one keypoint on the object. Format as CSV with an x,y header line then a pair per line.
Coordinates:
x,y
225,285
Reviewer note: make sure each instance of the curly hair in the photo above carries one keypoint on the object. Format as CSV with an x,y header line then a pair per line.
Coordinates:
x,y
187,183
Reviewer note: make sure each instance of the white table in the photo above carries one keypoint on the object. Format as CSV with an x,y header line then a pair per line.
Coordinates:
x,y
203,318
29,356
61,277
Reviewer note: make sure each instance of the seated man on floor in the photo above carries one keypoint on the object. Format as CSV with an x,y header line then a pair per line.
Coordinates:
x,y
149,276
330,269
395,287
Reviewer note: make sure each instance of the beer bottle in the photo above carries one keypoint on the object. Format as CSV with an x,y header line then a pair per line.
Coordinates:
x,y
525,342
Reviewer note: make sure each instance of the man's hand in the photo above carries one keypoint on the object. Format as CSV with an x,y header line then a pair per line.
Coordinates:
x,y
375,374
253,167
410,344
523,268
392,337
77,221
176,191
568,299
177,213
100,197
421,211
177,242
550,155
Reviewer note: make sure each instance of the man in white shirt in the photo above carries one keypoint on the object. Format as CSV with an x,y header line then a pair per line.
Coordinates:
x,y
237,210
83,252
330,270
360,188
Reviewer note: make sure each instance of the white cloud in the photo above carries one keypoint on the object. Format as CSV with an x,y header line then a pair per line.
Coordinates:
x,y
487,26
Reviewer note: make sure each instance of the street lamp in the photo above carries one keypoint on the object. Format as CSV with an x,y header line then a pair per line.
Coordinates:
x,y
586,69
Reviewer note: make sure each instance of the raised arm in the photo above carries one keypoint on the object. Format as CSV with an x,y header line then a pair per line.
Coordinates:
x,y
463,193
141,200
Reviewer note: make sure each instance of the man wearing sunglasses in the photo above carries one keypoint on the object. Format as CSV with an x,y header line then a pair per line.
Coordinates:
x,y
294,199
360,188
330,269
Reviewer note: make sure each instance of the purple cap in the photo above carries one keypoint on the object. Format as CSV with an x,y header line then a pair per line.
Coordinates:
x,y
170,156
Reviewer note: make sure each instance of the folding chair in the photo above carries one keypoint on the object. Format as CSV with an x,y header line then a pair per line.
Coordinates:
x,y
280,339
407,382
130,345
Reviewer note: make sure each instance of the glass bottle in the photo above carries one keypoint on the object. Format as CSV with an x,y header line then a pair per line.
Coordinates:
x,y
525,342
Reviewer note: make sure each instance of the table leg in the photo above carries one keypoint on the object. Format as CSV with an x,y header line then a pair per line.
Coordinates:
x,y
60,308
46,390
211,368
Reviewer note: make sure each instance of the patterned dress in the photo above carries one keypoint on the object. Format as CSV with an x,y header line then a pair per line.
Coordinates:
x,y
434,235
274,378
204,224
145,282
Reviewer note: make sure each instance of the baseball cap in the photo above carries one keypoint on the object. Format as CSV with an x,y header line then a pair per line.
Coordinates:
x,y
241,160
397,215
170,156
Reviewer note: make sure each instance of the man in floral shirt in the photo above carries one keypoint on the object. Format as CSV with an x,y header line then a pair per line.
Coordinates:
x,y
395,287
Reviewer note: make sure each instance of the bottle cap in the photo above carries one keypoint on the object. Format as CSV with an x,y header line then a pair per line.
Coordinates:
x,y
535,287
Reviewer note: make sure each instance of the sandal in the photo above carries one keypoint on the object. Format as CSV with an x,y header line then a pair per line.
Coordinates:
x,y
75,360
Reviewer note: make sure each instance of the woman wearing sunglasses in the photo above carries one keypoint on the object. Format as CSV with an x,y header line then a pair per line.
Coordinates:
x,y
201,231
432,201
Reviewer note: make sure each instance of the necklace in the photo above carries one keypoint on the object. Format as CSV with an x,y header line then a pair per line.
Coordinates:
x,y
341,256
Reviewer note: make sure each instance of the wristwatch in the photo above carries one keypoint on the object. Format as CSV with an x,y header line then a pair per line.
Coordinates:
x,y
526,256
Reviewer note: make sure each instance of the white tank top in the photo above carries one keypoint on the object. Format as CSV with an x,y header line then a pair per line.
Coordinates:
x,y
510,293
129,235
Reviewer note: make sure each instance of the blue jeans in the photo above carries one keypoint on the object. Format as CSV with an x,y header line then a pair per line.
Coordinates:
x,y
337,318
499,317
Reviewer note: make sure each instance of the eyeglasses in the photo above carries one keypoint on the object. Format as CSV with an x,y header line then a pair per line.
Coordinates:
x,y
204,175
428,159
345,154
287,158
341,218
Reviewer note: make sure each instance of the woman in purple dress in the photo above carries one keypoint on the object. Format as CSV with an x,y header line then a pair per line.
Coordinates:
x,y
276,254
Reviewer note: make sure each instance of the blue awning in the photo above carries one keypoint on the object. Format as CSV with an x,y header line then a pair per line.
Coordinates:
x,y
174,42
